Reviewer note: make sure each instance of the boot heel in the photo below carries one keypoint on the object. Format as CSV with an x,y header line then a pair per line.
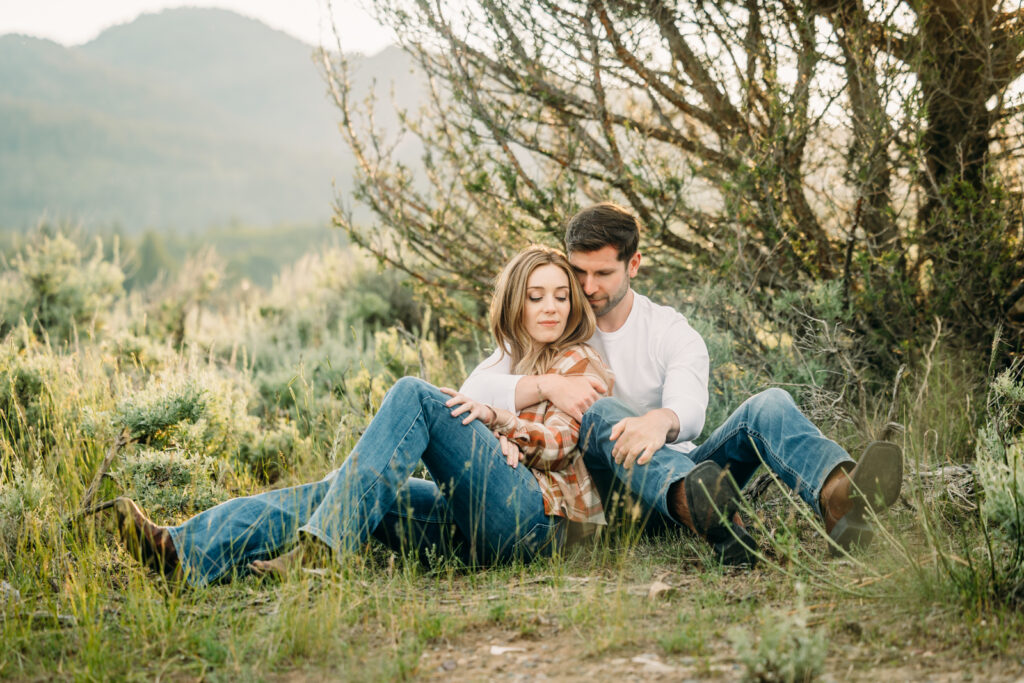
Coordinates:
x,y
851,531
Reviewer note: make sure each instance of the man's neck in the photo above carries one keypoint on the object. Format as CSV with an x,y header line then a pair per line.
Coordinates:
x,y
616,318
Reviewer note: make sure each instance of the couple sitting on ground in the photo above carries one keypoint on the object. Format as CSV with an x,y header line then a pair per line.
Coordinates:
x,y
597,390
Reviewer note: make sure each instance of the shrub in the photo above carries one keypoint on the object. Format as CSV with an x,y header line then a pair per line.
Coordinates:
x,y
268,454
25,507
786,649
1000,472
199,411
56,290
149,415
26,382
174,483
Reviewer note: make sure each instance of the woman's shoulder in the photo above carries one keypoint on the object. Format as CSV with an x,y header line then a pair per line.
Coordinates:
x,y
572,356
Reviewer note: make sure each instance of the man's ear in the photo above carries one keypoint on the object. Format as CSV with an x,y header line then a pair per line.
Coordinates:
x,y
634,265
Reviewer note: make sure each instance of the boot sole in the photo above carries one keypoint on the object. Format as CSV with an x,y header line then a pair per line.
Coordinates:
x,y
877,480
735,550
713,497
710,497
878,476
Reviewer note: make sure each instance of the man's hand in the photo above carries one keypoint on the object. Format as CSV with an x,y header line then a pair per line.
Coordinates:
x,y
572,394
472,409
637,438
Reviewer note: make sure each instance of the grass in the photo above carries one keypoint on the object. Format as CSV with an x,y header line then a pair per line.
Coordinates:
x,y
392,619
86,611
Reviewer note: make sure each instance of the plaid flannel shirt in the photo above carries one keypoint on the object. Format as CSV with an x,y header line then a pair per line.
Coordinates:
x,y
548,437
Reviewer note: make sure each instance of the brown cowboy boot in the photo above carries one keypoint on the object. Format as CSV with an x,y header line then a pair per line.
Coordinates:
x,y
873,483
702,501
147,542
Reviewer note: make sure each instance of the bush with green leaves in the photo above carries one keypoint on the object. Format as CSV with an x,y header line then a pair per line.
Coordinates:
x,y
138,353
269,453
150,415
174,483
804,348
1000,473
26,497
785,648
27,380
57,290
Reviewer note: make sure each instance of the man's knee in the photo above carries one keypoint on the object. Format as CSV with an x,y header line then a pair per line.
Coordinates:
x,y
595,429
769,403
608,410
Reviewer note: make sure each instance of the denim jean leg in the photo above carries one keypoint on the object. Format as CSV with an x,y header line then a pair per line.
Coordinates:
x,y
769,427
649,484
414,424
229,536
421,524
499,509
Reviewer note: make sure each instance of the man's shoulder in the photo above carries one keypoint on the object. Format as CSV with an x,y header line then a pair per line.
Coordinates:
x,y
657,315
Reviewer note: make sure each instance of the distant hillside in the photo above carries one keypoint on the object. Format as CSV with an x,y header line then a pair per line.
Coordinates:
x,y
182,119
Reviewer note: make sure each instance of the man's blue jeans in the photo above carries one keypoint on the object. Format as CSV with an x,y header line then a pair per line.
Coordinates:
x,y
767,428
477,507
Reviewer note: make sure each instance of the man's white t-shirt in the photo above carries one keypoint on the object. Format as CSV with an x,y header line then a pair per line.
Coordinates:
x,y
658,359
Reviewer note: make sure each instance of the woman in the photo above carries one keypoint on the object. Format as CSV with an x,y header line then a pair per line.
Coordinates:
x,y
479,505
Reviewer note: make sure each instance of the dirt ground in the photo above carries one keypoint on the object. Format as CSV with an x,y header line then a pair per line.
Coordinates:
x,y
498,654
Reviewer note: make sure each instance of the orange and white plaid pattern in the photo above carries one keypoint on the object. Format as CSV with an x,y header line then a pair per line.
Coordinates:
x,y
548,438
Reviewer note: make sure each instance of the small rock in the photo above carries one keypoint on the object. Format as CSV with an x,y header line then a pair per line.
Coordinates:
x,y
501,649
449,665
652,664
660,590
8,594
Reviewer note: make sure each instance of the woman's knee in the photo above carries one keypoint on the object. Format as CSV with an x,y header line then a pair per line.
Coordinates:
x,y
409,389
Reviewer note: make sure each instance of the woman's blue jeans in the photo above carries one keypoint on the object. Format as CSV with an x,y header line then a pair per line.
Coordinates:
x,y
768,428
476,507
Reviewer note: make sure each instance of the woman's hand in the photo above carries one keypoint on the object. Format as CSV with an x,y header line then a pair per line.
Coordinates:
x,y
464,405
513,456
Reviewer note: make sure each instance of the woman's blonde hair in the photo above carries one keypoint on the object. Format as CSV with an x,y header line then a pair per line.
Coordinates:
x,y
509,301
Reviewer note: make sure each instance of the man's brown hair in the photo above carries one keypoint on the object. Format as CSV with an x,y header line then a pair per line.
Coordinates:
x,y
602,225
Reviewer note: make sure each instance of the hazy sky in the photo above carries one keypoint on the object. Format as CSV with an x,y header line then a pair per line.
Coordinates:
x,y
73,22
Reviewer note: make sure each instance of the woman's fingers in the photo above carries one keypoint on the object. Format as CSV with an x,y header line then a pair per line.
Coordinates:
x,y
475,411
509,450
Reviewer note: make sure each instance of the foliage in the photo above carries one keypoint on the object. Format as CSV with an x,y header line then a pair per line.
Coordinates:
x,y
26,383
269,453
785,649
56,290
148,415
173,483
771,145
1000,473
26,506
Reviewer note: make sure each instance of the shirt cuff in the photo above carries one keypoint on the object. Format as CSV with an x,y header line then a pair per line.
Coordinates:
x,y
691,421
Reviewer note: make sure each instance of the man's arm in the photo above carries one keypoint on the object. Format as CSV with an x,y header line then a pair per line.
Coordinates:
x,y
684,400
548,441
571,394
492,383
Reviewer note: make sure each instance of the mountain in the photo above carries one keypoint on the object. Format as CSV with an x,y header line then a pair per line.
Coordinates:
x,y
182,119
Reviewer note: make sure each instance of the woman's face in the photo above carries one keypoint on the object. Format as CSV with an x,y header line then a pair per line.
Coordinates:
x,y
547,303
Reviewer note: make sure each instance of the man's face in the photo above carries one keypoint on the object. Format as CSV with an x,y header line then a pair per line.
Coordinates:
x,y
604,278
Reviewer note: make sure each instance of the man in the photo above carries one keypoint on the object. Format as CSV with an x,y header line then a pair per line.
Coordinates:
x,y
640,441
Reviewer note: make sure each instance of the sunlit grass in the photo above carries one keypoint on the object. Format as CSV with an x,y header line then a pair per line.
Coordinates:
x,y
85,610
